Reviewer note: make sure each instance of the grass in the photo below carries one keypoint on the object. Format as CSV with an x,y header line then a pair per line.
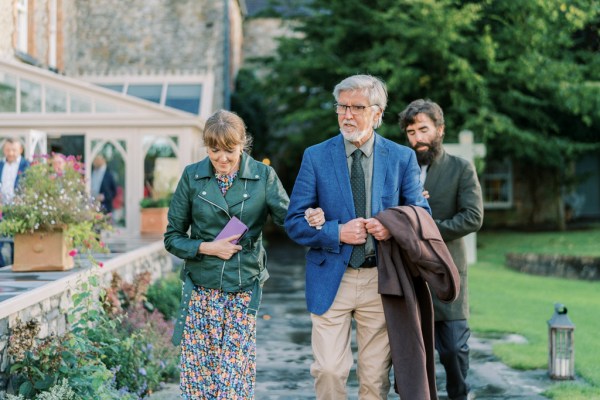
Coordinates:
x,y
506,301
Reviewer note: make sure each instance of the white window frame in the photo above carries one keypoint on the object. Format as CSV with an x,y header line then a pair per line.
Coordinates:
x,y
52,33
205,80
505,176
23,25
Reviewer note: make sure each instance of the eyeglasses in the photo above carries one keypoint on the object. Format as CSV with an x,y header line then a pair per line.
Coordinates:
x,y
354,110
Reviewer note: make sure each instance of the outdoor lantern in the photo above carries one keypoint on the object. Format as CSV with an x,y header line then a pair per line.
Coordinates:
x,y
561,342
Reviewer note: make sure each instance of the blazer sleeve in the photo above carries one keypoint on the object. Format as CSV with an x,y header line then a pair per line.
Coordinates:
x,y
304,196
412,189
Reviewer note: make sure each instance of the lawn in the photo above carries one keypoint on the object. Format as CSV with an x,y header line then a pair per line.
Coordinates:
x,y
506,301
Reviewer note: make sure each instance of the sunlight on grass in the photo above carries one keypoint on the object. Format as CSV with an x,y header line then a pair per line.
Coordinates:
x,y
503,300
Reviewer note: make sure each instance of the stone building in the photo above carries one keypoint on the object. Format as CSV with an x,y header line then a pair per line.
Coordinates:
x,y
94,61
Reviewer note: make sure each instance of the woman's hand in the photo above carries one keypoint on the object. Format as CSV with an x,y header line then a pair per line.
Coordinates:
x,y
222,248
315,217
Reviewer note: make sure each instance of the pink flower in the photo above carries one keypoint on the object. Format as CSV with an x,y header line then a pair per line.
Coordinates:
x,y
101,264
73,253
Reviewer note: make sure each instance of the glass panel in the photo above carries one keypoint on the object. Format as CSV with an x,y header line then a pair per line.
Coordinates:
x,y
8,93
56,100
31,96
497,184
102,107
114,200
161,167
146,92
80,104
184,97
116,88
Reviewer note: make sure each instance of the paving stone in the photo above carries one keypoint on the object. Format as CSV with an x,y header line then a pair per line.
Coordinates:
x,y
284,353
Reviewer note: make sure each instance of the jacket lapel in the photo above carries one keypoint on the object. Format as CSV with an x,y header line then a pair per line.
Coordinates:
x,y
239,191
337,155
209,190
380,162
434,172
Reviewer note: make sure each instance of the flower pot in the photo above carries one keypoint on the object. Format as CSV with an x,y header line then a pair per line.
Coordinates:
x,y
42,251
154,220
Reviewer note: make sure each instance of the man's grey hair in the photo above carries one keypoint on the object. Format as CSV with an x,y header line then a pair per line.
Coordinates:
x,y
372,87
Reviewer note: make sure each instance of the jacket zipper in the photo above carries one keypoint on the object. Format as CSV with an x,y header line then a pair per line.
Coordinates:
x,y
238,254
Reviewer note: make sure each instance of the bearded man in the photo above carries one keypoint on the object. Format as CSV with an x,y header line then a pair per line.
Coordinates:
x,y
454,195
351,177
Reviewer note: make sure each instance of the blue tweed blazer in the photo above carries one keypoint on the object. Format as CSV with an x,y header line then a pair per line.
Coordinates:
x,y
324,181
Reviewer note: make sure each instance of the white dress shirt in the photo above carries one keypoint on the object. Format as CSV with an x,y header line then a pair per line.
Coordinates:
x,y
9,176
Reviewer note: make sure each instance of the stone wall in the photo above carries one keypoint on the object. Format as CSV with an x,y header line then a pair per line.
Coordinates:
x,y
261,39
50,303
151,37
572,267
6,30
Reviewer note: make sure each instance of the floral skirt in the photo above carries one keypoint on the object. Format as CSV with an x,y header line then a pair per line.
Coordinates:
x,y
218,349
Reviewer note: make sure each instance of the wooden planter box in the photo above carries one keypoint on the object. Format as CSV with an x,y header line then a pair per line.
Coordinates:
x,y
42,251
154,220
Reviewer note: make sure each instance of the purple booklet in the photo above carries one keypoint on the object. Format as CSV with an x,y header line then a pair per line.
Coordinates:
x,y
233,227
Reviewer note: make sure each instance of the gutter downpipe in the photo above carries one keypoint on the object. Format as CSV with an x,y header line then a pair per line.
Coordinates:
x,y
226,58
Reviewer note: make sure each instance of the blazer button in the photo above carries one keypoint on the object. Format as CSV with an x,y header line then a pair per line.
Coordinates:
x,y
245,195
256,176
203,193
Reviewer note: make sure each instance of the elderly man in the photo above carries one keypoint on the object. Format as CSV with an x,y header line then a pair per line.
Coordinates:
x,y
351,177
11,168
454,195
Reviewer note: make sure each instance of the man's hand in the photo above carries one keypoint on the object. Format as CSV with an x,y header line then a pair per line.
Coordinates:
x,y
222,248
376,228
315,217
354,232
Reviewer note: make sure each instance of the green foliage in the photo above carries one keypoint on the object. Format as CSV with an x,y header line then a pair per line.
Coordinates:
x,y
525,79
164,294
503,300
104,356
149,202
50,200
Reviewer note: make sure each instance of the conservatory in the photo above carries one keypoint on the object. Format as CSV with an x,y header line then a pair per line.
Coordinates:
x,y
146,145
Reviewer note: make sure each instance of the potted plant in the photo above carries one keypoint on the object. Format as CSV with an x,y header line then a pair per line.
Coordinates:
x,y
52,217
154,210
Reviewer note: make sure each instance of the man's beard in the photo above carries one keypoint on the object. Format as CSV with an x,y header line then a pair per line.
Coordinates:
x,y
357,136
425,157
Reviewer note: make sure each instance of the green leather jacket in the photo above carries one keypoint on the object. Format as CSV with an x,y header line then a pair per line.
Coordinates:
x,y
197,213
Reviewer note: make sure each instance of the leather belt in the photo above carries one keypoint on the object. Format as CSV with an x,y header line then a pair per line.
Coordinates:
x,y
370,262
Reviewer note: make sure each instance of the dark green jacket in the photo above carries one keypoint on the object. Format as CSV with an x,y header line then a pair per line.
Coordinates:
x,y
198,212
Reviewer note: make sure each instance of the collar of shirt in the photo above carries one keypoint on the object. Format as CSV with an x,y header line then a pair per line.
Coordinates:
x,y
16,162
367,147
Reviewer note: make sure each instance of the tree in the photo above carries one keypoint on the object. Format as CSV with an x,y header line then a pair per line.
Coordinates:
x,y
525,78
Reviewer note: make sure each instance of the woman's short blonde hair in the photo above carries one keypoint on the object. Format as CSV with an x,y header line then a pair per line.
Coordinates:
x,y
225,130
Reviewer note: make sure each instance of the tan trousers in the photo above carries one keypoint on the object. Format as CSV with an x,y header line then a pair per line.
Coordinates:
x,y
356,298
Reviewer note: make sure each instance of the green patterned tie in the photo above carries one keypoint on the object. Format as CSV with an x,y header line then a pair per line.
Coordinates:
x,y
359,194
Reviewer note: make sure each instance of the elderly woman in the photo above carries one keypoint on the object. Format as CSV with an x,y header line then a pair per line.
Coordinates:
x,y
222,280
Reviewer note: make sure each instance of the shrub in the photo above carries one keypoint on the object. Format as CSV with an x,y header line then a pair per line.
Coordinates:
x,y
165,295
107,355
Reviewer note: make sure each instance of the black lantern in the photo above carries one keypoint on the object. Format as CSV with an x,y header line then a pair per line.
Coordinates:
x,y
561,342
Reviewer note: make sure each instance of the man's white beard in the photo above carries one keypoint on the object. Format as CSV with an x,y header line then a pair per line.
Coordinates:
x,y
357,136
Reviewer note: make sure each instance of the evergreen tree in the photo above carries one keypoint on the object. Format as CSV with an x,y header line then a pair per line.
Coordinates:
x,y
524,76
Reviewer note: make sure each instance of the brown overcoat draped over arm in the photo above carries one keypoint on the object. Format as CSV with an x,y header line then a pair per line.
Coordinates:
x,y
413,261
